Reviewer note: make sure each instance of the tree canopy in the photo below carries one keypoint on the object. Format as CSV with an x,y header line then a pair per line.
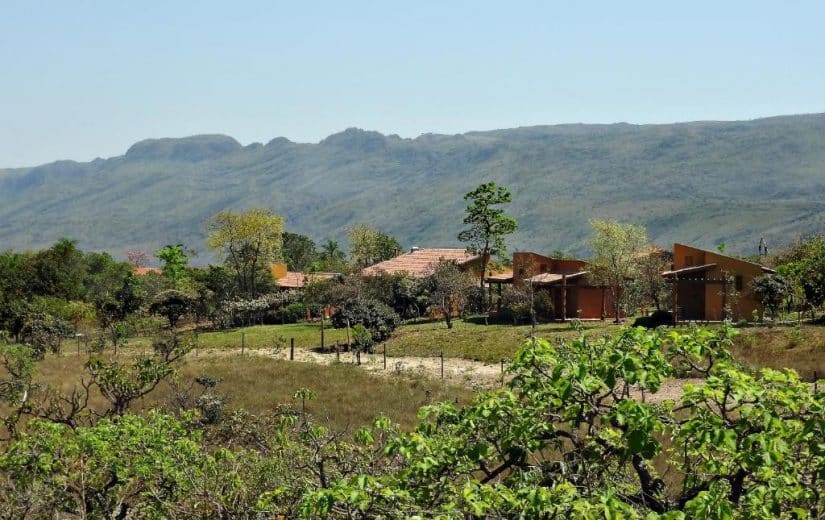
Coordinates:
x,y
616,248
250,242
488,224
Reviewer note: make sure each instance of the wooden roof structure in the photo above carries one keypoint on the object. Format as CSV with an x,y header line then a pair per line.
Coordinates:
x,y
552,278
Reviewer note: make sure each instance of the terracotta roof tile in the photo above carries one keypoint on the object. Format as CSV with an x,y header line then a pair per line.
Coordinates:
x,y
296,280
140,271
419,263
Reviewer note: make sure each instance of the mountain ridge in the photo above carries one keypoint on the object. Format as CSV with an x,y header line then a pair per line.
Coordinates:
x,y
702,182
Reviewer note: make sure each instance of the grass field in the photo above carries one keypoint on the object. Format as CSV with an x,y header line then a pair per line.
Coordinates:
x,y
347,396
470,340
306,335
800,348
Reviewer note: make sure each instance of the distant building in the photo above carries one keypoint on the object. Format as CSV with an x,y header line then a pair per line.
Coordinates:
x,y
286,279
566,281
707,285
421,262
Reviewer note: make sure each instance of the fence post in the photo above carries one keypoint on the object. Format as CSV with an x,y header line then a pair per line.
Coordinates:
x,y
322,331
502,365
337,352
816,382
442,364
291,349
243,342
78,344
385,356
358,357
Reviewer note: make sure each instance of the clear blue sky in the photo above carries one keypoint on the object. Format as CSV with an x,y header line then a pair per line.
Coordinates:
x,y
85,79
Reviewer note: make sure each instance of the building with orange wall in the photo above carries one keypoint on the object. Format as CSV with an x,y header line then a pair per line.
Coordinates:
x,y
567,282
708,285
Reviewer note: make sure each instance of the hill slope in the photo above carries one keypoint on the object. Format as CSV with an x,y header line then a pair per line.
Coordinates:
x,y
702,183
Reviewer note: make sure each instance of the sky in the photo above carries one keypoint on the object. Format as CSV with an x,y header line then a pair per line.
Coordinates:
x,y
87,79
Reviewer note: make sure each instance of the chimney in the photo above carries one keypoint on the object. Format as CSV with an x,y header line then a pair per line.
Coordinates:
x,y
413,249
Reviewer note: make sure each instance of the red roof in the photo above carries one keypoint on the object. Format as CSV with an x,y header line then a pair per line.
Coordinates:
x,y
140,271
296,280
420,262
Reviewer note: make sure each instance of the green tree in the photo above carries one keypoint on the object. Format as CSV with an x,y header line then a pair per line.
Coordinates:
x,y
250,242
616,248
174,260
488,223
449,287
58,271
298,251
804,263
567,437
772,289
172,305
369,245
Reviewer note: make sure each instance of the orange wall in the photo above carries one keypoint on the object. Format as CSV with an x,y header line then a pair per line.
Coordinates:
x,y
725,266
527,264
278,270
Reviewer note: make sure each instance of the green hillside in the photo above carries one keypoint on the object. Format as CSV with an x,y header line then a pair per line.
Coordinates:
x,y
702,183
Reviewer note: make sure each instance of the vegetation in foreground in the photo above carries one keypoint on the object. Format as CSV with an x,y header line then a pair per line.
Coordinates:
x,y
565,437
259,385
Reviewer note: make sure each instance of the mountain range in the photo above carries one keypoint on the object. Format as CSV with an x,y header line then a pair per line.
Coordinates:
x,y
702,183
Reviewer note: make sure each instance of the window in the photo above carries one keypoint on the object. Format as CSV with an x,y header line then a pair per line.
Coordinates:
x,y
688,261
543,268
738,282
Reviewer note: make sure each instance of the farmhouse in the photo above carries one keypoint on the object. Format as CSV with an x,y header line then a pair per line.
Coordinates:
x,y
421,262
707,285
566,280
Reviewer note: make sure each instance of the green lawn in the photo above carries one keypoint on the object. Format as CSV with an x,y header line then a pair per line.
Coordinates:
x,y
467,339
471,340
801,349
306,335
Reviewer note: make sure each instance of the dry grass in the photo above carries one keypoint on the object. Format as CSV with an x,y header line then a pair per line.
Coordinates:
x,y
800,348
346,395
306,335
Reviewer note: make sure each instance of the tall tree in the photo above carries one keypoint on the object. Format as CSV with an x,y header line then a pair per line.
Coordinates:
x,y
449,288
250,241
331,258
298,251
616,248
59,271
488,224
369,245
804,263
174,260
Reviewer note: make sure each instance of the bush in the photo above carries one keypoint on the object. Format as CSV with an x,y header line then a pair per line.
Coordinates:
x,y
543,304
380,319
515,305
657,319
295,312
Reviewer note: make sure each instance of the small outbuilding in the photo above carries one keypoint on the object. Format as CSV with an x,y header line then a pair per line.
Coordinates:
x,y
710,286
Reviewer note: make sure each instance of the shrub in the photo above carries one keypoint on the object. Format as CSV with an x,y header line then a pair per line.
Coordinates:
x,y
772,289
295,312
375,316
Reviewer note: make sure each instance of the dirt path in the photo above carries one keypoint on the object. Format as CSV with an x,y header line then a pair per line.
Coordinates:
x,y
466,372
